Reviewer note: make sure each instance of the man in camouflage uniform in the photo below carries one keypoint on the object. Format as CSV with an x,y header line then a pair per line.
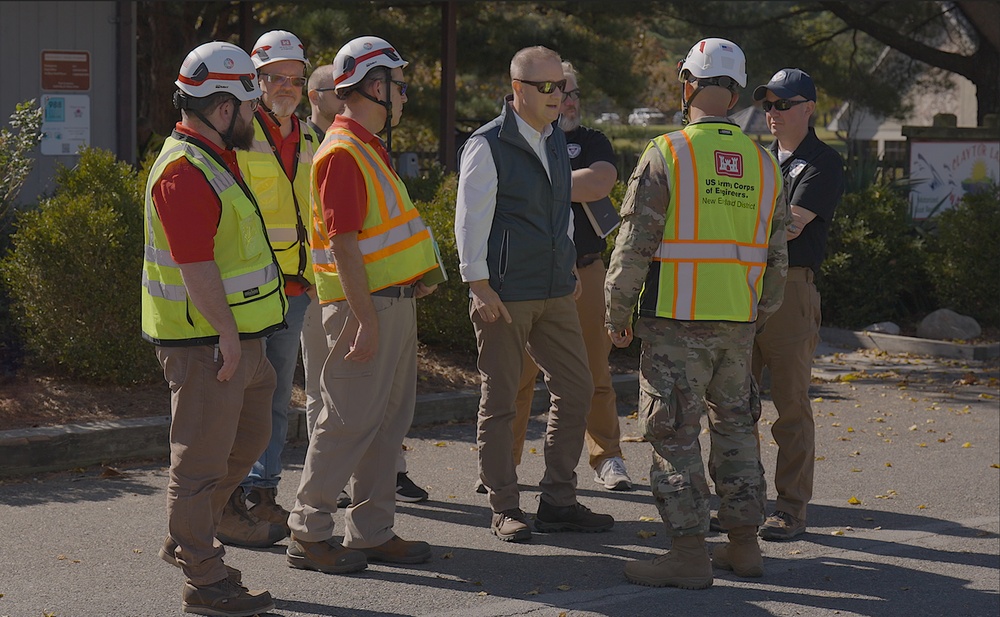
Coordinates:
x,y
706,265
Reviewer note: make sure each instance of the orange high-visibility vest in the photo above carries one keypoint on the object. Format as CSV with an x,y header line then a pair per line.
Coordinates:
x,y
396,245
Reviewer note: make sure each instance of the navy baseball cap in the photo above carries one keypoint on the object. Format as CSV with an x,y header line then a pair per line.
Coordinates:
x,y
787,83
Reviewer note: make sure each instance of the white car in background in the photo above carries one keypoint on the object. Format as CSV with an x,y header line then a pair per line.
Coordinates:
x,y
608,117
644,116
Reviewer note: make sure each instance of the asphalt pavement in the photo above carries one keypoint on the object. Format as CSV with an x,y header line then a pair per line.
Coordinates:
x,y
904,521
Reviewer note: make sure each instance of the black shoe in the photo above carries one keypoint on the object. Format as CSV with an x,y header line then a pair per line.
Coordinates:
x,y
343,500
407,491
576,517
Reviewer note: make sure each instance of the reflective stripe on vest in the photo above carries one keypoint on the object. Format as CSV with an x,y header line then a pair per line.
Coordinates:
x,y
710,263
249,274
277,195
394,242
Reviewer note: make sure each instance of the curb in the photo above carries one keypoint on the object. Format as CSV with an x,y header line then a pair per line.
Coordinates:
x,y
71,446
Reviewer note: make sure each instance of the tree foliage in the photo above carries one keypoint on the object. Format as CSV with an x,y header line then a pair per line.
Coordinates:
x,y
16,146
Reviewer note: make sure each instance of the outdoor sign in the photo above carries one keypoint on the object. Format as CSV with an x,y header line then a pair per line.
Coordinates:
x,y
67,71
65,123
944,171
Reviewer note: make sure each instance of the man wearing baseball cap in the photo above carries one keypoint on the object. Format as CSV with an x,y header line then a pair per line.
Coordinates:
x,y
814,182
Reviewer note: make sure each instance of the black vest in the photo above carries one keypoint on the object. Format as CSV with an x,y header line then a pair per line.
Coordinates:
x,y
531,255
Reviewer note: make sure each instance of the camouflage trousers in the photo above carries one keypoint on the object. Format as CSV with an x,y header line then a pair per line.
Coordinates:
x,y
684,366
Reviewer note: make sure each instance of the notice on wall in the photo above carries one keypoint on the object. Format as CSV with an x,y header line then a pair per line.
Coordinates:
x,y
65,123
944,171
65,70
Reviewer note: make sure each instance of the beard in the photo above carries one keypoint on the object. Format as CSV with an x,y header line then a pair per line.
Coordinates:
x,y
283,109
567,124
242,137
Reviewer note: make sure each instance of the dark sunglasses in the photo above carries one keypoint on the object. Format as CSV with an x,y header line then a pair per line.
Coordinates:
x,y
572,94
780,104
402,86
545,87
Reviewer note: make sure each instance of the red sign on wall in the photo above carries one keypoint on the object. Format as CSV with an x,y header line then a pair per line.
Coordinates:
x,y
67,70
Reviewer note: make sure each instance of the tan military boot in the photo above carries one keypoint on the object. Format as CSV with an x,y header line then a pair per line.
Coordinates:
x,y
240,527
687,566
265,505
741,554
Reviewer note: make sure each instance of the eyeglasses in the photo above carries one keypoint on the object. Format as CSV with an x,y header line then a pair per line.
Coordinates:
x,y
781,104
402,86
545,87
572,95
252,104
281,80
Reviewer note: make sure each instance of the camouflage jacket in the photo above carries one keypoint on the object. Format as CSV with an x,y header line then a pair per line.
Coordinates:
x,y
643,213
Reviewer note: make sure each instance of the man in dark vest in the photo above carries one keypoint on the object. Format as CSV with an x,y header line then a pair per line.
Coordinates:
x,y
515,241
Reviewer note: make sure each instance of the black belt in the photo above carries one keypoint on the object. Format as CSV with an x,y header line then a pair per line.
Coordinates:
x,y
585,260
395,291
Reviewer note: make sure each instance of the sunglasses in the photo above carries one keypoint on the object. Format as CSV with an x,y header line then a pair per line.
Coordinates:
x,y
780,104
572,95
402,86
545,87
281,80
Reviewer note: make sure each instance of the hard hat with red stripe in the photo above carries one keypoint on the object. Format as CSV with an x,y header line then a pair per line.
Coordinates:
x,y
275,46
218,67
361,55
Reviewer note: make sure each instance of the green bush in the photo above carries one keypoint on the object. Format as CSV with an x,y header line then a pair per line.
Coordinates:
x,y
964,257
443,316
73,274
874,270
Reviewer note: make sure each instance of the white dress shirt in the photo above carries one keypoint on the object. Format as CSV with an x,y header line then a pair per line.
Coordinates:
x,y
477,197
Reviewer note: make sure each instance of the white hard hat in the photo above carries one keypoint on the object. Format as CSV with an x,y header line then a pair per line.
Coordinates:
x,y
715,58
218,67
277,45
361,55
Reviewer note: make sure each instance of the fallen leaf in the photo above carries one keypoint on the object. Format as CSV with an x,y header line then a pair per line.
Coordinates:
x,y
633,416
867,518
839,532
647,519
967,445
888,464
855,469
563,587
913,428
921,445
111,472
921,507
441,444
835,424
987,396
854,501
995,465
532,451
818,399
482,593
137,551
473,448
820,458
533,592
448,555
645,535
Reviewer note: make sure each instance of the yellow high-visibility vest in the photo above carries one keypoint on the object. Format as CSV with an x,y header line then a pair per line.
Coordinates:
x,y
396,245
711,261
249,272
283,202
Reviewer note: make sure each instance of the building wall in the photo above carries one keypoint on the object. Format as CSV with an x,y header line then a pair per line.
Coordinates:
x,y
26,28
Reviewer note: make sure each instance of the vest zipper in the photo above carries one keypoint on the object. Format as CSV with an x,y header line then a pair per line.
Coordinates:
x,y
504,255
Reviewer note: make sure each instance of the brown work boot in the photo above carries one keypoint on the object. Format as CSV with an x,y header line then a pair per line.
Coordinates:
x,y
167,553
226,599
686,565
782,526
510,526
240,527
265,505
741,554
326,556
398,550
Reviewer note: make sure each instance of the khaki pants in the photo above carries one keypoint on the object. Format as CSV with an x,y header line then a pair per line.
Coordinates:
x,y
786,347
217,431
367,410
550,331
603,430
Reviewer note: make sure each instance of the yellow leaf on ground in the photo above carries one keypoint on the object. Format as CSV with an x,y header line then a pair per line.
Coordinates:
x,y
533,592
855,469
818,399
921,507
995,465
921,445
984,395
647,519
532,451
645,535
839,532
913,428
820,458
888,464
835,424
854,501
850,430
441,444
563,587
633,416
967,445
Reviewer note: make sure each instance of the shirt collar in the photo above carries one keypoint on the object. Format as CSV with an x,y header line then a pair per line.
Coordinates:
x,y
527,131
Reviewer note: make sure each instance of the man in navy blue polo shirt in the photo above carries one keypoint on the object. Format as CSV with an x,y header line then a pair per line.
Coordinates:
x,y
814,182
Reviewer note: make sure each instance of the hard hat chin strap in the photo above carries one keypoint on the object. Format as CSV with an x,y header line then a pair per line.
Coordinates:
x,y
387,104
227,137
